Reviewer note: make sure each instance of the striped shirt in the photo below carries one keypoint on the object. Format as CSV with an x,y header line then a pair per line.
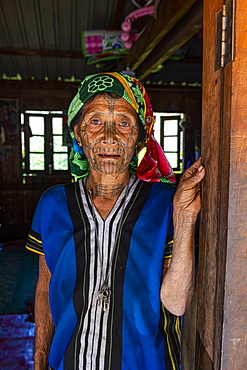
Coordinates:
x,y
136,331
103,242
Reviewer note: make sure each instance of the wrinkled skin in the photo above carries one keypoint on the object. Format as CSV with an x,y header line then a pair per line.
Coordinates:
x,y
108,131
179,271
187,197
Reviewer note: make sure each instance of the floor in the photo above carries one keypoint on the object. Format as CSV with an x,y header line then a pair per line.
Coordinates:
x,y
16,332
16,342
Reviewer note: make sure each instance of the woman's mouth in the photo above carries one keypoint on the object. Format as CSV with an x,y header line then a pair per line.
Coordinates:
x,y
108,155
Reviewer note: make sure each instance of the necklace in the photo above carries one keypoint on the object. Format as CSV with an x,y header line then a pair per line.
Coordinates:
x,y
104,292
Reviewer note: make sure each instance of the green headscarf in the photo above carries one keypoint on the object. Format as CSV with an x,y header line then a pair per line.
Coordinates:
x,y
149,163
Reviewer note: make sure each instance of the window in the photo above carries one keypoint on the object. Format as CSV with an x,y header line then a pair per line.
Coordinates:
x,y
169,134
43,151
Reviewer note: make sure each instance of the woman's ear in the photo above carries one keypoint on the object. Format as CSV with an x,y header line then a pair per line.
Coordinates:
x,y
77,136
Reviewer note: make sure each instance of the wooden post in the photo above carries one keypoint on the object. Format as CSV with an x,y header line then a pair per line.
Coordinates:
x,y
222,292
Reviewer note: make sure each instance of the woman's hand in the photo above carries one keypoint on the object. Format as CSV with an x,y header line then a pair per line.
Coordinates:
x,y
181,272
187,197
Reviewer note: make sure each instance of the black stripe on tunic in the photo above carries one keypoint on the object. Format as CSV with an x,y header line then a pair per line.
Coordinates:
x,y
81,238
131,214
82,229
171,329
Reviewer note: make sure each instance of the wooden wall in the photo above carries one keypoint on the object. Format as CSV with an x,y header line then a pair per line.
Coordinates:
x,y
18,199
222,284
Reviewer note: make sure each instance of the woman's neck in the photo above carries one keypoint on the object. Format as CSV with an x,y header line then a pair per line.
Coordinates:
x,y
106,186
104,190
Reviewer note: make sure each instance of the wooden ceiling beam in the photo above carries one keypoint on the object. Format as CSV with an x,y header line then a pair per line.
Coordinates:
x,y
42,53
169,13
187,27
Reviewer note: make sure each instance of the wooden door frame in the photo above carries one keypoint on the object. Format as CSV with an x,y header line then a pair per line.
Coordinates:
x,y
222,312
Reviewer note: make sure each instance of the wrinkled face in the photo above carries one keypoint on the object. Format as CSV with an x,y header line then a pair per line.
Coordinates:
x,y
108,131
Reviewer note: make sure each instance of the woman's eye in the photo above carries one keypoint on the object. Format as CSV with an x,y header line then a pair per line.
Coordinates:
x,y
95,122
124,124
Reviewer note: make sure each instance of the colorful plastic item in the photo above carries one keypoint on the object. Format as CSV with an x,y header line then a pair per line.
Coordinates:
x,y
128,37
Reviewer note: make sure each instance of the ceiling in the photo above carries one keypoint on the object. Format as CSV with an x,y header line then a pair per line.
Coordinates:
x,y
42,39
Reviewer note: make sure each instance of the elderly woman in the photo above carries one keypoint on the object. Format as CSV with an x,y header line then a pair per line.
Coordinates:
x,y
112,282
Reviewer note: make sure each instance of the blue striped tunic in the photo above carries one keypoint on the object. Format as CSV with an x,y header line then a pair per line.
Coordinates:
x,y
136,331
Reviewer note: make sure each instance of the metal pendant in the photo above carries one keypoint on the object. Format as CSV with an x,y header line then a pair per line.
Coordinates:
x,y
104,296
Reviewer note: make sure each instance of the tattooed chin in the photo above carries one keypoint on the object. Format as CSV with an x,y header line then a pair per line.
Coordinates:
x,y
111,166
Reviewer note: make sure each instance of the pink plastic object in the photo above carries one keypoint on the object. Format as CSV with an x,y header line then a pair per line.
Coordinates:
x,y
127,36
134,36
128,44
126,26
140,13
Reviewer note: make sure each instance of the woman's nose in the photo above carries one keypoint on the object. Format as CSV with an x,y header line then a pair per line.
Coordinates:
x,y
109,132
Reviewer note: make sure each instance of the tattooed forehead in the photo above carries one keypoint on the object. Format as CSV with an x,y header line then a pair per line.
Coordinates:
x,y
108,103
108,97
111,102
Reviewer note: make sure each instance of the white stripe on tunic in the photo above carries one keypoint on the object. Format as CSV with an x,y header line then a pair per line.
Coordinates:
x,y
95,319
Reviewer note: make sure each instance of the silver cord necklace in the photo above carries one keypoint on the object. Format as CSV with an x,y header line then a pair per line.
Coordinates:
x,y
104,292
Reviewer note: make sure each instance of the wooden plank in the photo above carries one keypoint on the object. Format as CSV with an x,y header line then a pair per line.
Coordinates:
x,y
222,310
169,13
208,339
187,27
234,349
203,362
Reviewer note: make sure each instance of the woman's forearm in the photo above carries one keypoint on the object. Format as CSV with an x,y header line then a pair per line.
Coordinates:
x,y
43,320
178,284
177,287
